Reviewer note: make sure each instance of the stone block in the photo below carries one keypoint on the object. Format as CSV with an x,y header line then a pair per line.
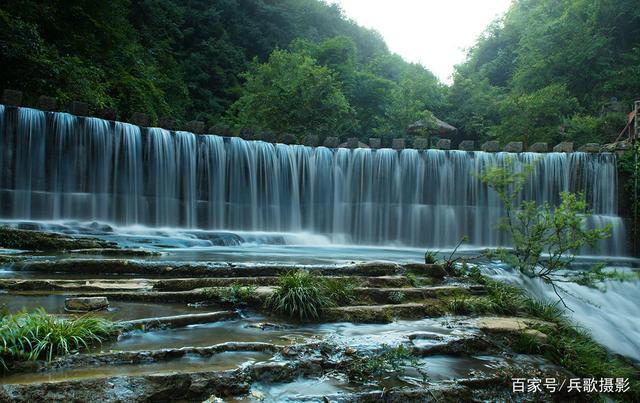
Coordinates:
x,y
46,103
539,148
331,142
86,304
514,147
167,123
12,97
590,148
268,136
491,146
140,119
563,147
467,145
79,108
352,142
247,133
444,144
375,142
107,113
288,138
311,140
219,129
422,143
195,126
398,144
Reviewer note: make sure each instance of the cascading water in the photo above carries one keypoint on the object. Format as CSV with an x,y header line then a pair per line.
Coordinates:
x,y
59,166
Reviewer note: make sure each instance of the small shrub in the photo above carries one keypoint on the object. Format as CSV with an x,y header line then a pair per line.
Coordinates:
x,y
396,297
300,295
38,335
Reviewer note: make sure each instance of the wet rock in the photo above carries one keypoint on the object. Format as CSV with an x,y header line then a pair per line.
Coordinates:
x,y
513,325
85,304
375,143
267,326
456,346
12,97
425,336
179,320
331,142
44,241
273,371
422,143
115,252
158,387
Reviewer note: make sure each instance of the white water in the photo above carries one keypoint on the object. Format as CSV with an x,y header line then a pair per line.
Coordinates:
x,y
57,166
609,312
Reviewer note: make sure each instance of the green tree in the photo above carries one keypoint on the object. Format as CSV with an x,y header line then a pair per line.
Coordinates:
x,y
545,238
292,93
536,116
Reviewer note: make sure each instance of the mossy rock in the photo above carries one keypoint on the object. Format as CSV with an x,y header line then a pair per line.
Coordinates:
x,y
43,241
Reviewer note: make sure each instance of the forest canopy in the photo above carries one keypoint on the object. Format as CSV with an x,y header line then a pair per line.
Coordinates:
x,y
549,70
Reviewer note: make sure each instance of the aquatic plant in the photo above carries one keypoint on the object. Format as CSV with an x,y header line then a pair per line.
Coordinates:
x,y
39,335
300,295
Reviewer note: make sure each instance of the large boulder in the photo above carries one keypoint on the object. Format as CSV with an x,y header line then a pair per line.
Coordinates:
x,y
331,142
86,304
422,143
375,143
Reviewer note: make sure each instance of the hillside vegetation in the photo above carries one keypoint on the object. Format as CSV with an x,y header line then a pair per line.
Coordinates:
x,y
546,71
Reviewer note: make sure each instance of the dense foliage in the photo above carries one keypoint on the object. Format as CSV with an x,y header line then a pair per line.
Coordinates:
x,y
548,70
292,65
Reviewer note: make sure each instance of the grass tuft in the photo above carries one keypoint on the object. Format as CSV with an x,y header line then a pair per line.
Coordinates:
x,y
39,335
300,295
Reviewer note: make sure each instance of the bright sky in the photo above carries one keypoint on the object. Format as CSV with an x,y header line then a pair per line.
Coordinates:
x,y
434,33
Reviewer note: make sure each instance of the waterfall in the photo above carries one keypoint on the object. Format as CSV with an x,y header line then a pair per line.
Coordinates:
x,y
58,166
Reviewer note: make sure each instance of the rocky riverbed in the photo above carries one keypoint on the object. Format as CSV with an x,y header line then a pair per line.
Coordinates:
x,y
408,335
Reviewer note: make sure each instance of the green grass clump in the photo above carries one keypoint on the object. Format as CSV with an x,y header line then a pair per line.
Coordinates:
x,y
465,305
341,290
300,295
38,335
235,294
430,257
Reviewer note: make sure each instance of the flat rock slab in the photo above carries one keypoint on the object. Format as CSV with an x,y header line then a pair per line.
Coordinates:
x,y
85,304
513,325
13,238
73,285
178,320
385,313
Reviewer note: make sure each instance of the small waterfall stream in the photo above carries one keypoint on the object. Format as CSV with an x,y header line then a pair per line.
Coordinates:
x,y
58,166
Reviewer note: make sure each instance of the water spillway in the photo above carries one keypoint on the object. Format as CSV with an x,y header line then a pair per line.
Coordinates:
x,y
56,166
